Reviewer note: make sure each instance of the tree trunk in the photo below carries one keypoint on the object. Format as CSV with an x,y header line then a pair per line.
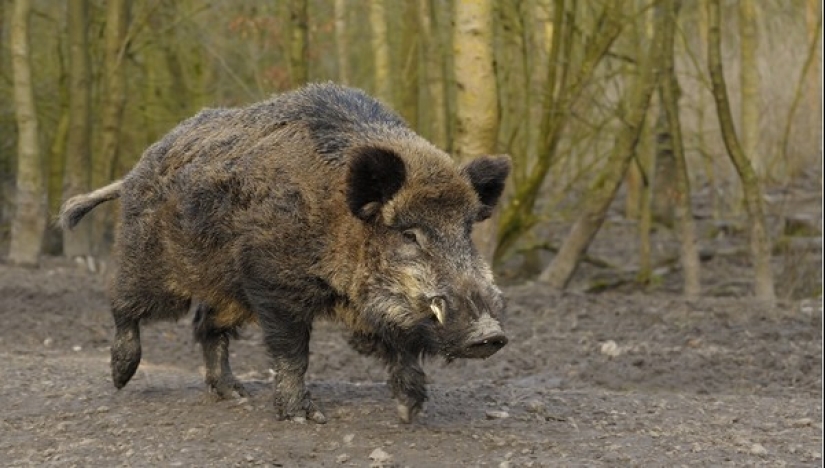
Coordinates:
x,y
759,240
111,114
566,82
681,182
647,161
381,51
476,97
749,86
342,41
409,54
813,23
436,117
29,222
557,275
664,175
707,158
299,43
77,174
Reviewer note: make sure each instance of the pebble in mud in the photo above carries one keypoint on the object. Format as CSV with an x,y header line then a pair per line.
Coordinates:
x,y
380,458
496,414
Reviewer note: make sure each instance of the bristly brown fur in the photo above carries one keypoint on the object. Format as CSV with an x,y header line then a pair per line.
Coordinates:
x,y
318,202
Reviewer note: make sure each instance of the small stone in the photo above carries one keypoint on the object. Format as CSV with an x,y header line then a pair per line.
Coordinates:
x,y
504,464
76,348
804,422
496,414
48,342
341,459
758,449
349,438
380,456
102,409
535,406
610,348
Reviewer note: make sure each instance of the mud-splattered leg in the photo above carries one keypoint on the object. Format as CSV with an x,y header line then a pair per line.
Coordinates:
x,y
407,380
125,349
215,343
288,345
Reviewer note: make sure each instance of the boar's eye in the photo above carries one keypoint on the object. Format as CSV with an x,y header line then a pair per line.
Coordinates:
x,y
412,236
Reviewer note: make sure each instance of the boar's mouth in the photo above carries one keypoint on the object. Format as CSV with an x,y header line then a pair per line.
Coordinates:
x,y
483,347
483,338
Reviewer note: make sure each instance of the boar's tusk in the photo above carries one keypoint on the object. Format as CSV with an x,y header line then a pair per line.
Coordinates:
x,y
437,306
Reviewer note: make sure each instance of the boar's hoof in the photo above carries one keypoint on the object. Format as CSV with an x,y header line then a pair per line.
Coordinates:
x,y
228,389
407,413
306,410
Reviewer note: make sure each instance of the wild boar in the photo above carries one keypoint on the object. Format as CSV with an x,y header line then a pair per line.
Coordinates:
x,y
319,202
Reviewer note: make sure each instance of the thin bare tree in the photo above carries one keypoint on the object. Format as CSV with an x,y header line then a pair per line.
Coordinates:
x,y
759,239
29,222
749,109
434,125
380,51
476,97
342,40
77,173
111,114
298,43
637,98
669,94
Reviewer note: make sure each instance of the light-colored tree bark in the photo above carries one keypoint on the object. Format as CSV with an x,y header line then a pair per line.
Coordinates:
x,y
809,68
558,274
707,158
77,174
111,114
29,222
476,97
749,86
342,41
759,239
435,124
408,69
298,43
670,94
647,167
664,176
813,23
380,51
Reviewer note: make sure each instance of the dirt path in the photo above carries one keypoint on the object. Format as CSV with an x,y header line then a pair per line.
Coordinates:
x,y
588,380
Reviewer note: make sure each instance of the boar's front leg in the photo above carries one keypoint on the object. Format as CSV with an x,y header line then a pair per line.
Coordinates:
x,y
215,343
408,384
407,380
287,341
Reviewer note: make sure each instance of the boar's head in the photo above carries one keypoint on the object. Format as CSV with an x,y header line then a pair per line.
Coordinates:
x,y
424,287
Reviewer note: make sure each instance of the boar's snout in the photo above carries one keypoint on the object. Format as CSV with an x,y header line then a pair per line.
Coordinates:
x,y
485,339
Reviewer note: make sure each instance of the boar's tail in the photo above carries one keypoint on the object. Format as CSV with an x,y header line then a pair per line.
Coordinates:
x,y
76,208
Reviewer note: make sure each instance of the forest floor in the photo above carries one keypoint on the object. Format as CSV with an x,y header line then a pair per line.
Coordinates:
x,y
623,377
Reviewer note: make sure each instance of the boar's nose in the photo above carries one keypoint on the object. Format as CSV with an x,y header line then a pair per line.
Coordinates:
x,y
486,338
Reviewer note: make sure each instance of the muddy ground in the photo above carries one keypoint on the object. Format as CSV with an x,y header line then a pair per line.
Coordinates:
x,y
623,377
614,379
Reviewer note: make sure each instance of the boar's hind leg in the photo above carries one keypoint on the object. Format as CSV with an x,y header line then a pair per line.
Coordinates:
x,y
288,343
125,349
132,305
215,343
407,380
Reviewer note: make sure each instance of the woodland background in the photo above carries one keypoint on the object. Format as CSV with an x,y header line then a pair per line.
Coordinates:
x,y
598,103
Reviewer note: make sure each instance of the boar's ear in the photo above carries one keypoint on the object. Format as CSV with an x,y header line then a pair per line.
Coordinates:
x,y
375,175
487,174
